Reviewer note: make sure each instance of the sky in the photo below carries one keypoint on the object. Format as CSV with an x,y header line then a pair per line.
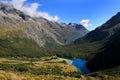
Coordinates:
x,y
90,13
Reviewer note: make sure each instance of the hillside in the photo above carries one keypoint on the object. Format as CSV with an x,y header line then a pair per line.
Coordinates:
x,y
101,46
92,43
21,34
42,31
108,57
106,30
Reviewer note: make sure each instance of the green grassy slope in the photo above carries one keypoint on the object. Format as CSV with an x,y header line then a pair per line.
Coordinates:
x,y
13,43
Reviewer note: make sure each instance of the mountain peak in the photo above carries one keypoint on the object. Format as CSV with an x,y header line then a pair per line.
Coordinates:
x,y
7,9
6,6
118,13
111,22
104,31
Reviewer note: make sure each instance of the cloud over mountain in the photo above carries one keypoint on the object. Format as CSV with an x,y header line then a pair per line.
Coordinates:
x,y
31,9
86,23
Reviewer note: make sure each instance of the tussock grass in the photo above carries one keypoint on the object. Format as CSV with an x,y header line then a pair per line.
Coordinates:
x,y
44,68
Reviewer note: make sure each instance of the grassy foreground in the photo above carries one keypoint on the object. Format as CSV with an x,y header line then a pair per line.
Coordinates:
x,y
44,68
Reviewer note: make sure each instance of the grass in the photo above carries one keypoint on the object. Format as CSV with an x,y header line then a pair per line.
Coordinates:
x,y
38,66
44,68
23,76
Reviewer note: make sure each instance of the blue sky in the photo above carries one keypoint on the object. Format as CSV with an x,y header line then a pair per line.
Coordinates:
x,y
95,12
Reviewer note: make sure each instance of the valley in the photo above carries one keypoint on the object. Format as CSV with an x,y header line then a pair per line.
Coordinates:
x,y
35,48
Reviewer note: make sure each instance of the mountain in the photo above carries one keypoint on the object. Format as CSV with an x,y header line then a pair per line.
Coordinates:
x,y
100,47
94,41
104,31
42,31
108,57
22,35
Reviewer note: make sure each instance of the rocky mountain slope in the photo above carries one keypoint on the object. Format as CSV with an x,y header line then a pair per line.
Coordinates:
x,y
14,23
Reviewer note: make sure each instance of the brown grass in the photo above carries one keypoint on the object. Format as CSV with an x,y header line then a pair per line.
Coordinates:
x,y
44,62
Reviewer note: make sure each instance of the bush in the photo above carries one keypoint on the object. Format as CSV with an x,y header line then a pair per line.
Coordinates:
x,y
15,67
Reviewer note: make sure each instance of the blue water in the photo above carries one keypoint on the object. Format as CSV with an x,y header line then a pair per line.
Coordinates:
x,y
79,64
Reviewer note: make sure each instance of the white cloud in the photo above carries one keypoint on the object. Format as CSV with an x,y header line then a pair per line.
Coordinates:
x,y
47,16
32,9
86,23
